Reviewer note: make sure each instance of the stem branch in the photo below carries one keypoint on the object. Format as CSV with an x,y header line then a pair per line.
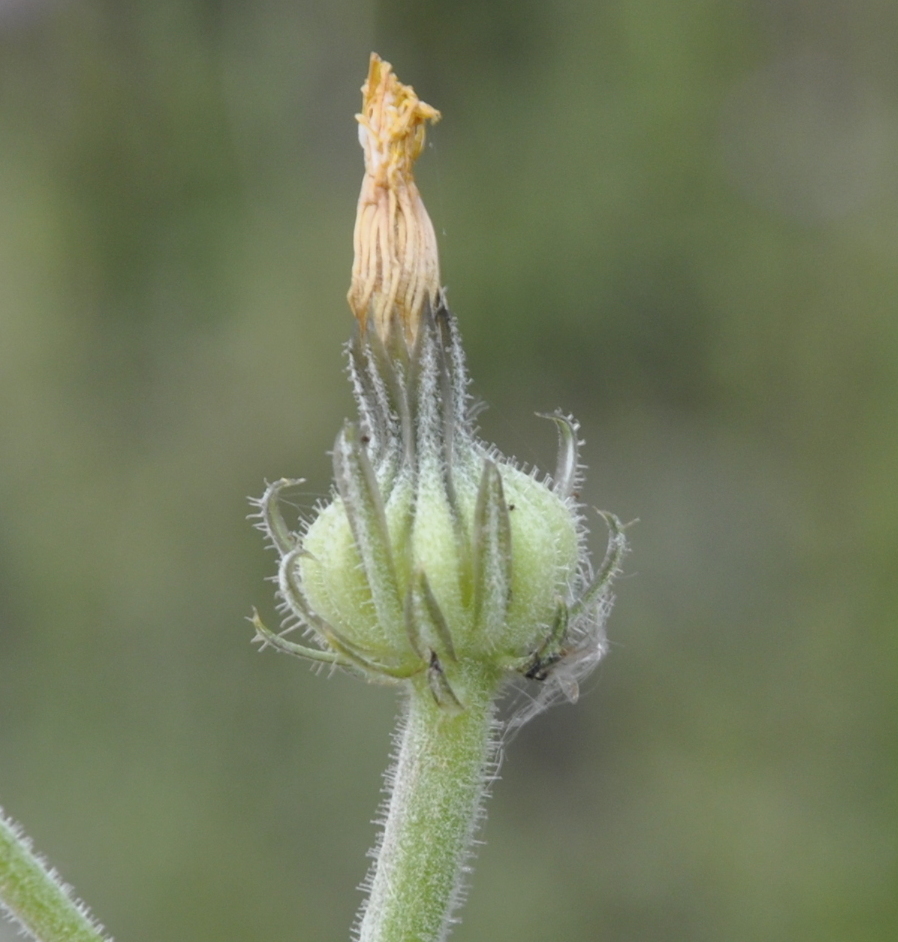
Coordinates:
x,y
36,897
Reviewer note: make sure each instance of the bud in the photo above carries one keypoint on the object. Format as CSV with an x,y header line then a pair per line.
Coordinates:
x,y
437,556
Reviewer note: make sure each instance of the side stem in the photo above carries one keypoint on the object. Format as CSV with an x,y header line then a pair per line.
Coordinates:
x,y
36,897
438,786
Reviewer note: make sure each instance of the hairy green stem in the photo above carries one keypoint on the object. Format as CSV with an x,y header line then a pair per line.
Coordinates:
x,y
438,785
36,897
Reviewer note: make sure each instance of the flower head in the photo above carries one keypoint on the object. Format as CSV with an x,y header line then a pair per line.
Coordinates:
x,y
437,557
396,271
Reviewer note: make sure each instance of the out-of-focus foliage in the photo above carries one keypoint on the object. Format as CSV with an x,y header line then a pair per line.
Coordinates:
x,y
678,221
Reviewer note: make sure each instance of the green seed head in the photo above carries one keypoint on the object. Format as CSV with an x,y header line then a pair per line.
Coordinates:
x,y
437,555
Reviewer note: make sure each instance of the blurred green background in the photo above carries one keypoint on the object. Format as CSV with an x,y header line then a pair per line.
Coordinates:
x,y
678,221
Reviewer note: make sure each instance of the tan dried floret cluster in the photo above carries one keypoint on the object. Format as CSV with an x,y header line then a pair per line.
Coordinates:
x,y
396,269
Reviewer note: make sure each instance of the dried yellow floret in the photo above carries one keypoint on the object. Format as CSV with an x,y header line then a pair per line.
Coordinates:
x,y
396,270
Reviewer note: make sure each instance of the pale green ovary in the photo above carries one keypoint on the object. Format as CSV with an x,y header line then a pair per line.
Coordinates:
x,y
545,550
334,581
